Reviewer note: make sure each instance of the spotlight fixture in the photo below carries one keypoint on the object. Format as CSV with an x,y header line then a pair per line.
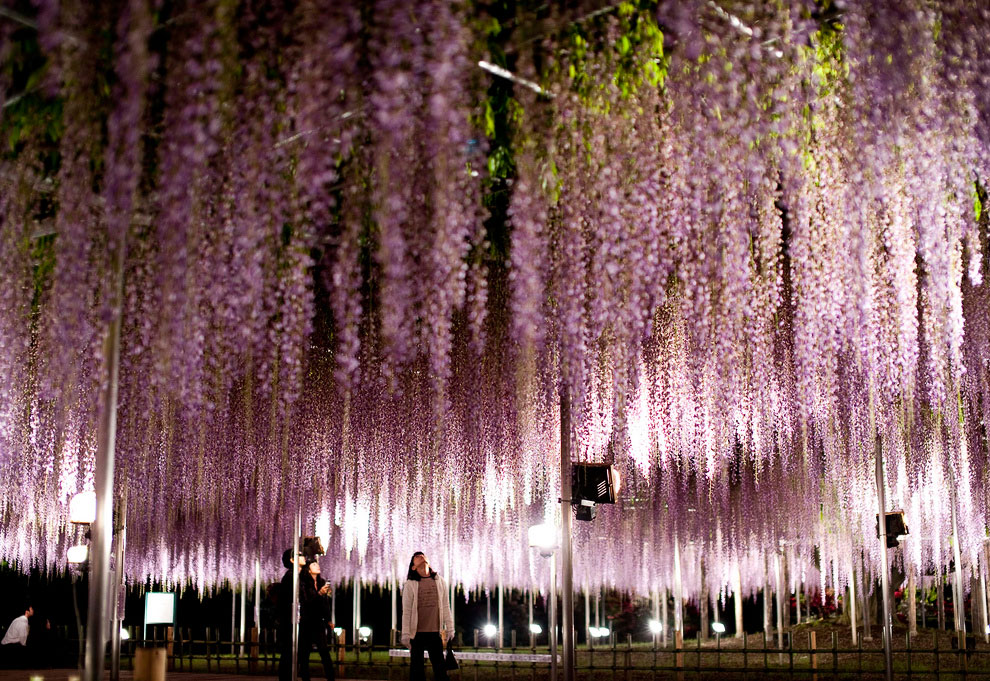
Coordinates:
x,y
592,484
310,548
656,626
897,529
364,632
490,630
599,632
535,628
597,483
586,511
718,627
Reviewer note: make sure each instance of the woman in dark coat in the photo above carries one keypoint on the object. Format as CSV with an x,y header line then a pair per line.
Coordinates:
x,y
314,616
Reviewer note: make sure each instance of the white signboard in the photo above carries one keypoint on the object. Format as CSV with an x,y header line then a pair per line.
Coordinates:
x,y
159,608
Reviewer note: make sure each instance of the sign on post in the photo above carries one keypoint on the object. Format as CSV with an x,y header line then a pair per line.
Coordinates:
x,y
159,608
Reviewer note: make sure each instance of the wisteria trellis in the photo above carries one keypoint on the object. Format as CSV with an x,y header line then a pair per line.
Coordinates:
x,y
744,253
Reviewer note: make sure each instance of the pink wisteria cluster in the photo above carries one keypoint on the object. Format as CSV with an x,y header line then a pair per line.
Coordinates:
x,y
749,258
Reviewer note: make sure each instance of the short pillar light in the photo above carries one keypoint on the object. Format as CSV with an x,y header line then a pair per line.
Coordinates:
x,y
78,554
544,537
82,508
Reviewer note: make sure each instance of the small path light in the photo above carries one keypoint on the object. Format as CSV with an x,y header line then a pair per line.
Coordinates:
x,y
78,554
82,508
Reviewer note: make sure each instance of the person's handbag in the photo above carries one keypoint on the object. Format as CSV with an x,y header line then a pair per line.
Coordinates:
x,y
450,662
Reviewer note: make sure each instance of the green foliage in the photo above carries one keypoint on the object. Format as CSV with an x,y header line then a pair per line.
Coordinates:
x,y
635,58
29,114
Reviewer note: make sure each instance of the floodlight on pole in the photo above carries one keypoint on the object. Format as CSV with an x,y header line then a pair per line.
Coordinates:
x,y
546,539
82,508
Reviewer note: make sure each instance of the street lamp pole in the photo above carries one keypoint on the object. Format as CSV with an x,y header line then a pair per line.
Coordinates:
x,y
567,578
552,629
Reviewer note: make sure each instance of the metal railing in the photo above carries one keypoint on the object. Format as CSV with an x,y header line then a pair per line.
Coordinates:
x,y
805,654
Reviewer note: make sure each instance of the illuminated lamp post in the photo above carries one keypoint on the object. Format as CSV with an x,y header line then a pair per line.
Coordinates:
x,y
544,538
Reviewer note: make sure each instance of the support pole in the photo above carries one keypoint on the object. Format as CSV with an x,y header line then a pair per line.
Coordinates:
x,y
395,602
663,616
912,602
233,619
529,602
567,578
552,623
451,601
983,594
884,568
120,544
958,596
852,601
678,588
655,598
102,527
356,619
737,600
780,601
703,603
864,600
587,615
243,613
501,615
296,531
257,594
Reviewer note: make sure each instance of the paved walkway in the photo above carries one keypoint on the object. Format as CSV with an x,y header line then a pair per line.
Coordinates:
x,y
76,675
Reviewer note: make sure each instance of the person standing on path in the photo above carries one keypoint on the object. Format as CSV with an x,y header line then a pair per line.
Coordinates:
x,y
13,648
426,618
314,616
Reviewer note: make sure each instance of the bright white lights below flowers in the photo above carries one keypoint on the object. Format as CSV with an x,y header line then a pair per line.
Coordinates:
x,y
82,508
543,537
718,627
364,632
535,628
656,626
78,554
490,630
598,632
